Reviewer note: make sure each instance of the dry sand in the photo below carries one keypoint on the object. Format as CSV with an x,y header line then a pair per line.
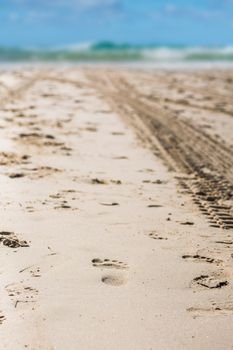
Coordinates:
x,y
116,210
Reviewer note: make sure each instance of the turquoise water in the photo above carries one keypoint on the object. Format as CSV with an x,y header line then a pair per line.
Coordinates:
x,y
110,52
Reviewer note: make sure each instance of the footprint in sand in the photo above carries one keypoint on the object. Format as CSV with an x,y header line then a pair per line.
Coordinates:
x,y
120,157
42,171
154,235
16,175
20,294
48,263
215,308
9,158
113,279
35,173
201,258
107,263
113,204
187,223
210,281
97,181
154,206
90,129
9,239
2,318
226,242
118,133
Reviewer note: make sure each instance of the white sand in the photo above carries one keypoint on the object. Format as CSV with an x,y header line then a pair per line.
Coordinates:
x,y
51,294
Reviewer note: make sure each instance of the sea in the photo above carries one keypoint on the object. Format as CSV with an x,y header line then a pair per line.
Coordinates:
x,y
109,52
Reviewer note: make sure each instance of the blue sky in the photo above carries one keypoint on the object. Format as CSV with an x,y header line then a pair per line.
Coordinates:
x,y
63,22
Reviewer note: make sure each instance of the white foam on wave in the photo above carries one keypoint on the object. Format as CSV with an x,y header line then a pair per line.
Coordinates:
x,y
180,54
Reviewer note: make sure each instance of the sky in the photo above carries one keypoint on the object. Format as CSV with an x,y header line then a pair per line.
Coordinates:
x,y
43,23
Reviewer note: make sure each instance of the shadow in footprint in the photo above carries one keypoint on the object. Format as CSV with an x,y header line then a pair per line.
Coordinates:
x,y
10,240
107,263
110,204
2,318
114,280
154,235
210,282
215,308
200,258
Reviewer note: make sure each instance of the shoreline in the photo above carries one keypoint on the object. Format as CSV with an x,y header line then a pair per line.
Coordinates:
x,y
176,66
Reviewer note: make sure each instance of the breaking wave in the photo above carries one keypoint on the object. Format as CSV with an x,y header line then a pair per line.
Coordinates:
x,y
111,52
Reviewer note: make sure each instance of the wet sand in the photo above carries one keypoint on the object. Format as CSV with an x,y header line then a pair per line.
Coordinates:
x,y
116,209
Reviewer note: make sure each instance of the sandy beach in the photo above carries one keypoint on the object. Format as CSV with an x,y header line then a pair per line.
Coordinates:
x,y
116,209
